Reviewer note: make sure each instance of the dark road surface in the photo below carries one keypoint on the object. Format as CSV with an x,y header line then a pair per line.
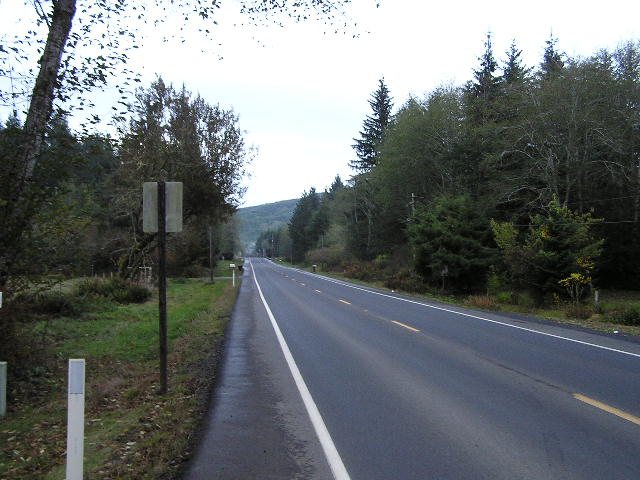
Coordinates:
x,y
410,389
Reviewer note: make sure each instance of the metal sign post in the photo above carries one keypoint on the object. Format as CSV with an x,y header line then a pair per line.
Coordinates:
x,y
162,213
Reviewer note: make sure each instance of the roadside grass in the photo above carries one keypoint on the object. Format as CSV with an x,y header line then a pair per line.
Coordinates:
x,y
610,301
130,430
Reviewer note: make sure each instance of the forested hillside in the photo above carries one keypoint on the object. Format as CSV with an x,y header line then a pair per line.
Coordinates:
x,y
524,179
254,220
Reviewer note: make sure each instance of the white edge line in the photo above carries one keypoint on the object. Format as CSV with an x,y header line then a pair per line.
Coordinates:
x,y
333,457
471,316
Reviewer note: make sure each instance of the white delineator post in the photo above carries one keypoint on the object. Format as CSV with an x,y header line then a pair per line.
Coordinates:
x,y
75,420
232,266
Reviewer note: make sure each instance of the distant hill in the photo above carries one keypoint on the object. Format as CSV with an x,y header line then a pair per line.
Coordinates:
x,y
254,220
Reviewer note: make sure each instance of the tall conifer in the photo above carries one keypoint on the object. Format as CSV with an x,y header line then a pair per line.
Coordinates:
x,y
372,134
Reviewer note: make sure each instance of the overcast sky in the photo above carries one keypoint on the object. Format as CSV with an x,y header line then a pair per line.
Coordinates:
x,y
301,93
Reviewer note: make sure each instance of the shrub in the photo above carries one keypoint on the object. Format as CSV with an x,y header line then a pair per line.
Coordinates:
x,y
482,301
578,311
132,293
495,283
504,297
52,303
326,258
405,279
359,270
117,289
525,300
628,316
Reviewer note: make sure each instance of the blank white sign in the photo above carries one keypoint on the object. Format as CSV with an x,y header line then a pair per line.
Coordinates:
x,y
173,206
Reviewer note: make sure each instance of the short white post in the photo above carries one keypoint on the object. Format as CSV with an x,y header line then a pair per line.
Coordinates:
x,y
233,277
3,389
75,420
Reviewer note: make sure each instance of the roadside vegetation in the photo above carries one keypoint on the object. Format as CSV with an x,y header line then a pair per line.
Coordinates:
x,y
519,190
617,310
131,431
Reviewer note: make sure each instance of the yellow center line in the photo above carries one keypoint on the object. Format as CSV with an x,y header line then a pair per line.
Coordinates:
x,y
406,326
607,408
318,291
345,302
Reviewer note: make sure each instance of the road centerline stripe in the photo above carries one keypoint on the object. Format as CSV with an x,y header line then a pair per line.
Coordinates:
x,y
331,453
607,408
497,322
405,326
318,291
345,302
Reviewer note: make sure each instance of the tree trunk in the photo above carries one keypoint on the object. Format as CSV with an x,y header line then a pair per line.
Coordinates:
x,y
41,105
18,215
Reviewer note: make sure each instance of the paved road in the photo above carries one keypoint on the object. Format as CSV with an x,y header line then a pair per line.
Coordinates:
x,y
413,390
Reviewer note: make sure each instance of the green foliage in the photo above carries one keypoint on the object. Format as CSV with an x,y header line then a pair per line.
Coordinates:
x,y
452,243
504,297
628,316
327,258
303,230
373,129
578,311
252,221
117,289
556,247
51,303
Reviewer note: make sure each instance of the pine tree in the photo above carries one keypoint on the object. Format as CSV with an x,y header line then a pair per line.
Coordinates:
x,y
367,146
514,72
484,89
552,62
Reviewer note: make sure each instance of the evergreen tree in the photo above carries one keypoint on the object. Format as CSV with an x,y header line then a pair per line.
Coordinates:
x,y
552,62
452,243
371,137
335,187
300,224
514,72
484,89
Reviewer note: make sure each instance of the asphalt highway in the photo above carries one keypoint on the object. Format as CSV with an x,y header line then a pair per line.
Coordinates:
x,y
394,387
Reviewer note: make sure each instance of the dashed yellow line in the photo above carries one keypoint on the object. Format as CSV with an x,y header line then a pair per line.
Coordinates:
x,y
607,408
406,326
345,302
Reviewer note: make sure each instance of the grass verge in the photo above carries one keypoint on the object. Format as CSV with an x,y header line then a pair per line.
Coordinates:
x,y
130,430
610,301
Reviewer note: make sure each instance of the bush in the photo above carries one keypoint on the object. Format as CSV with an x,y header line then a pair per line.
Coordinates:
x,y
117,289
578,311
482,301
525,300
132,293
327,258
360,270
52,303
505,297
629,316
405,279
